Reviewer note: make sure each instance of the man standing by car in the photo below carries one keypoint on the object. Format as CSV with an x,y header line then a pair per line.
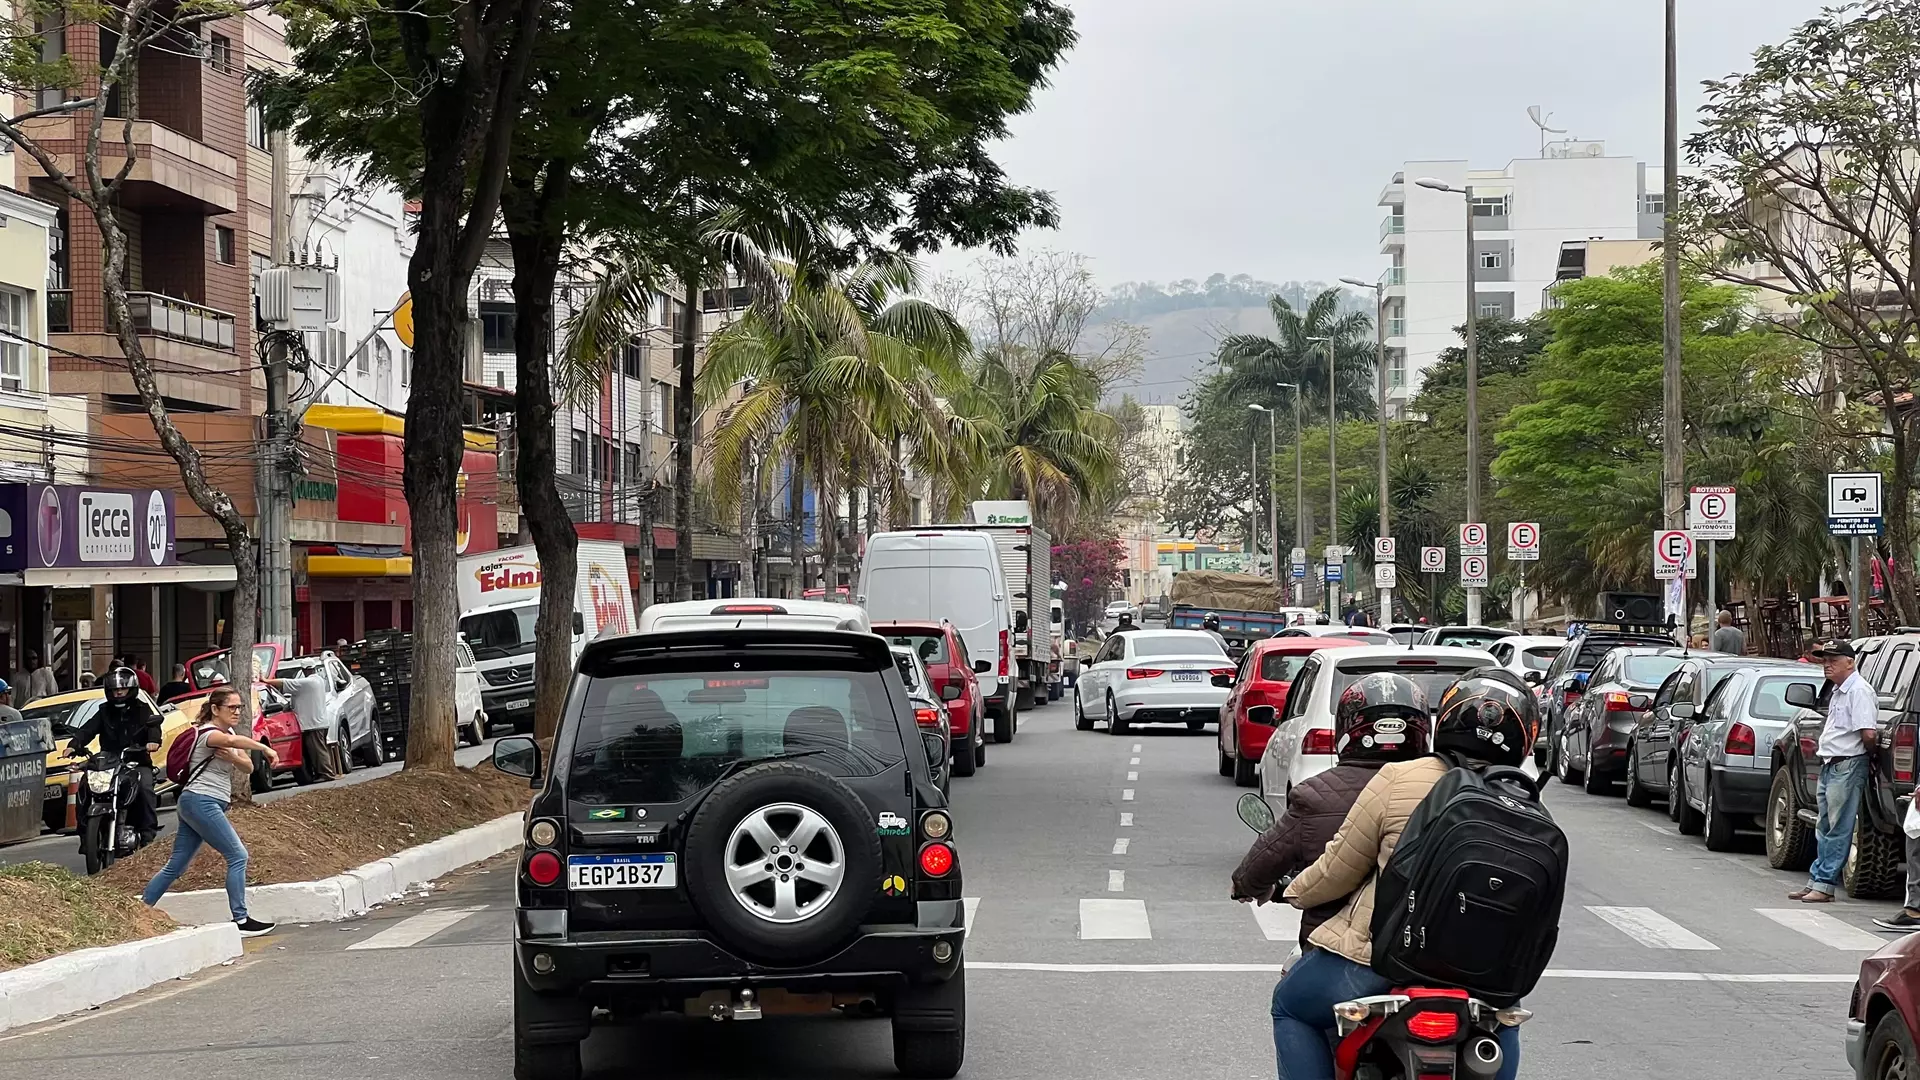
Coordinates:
x,y
1728,638
308,692
1852,728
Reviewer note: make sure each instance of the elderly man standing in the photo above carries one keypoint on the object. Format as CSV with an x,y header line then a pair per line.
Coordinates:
x,y
1852,729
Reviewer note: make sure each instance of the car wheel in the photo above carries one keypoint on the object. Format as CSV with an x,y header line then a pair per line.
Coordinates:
x,y
546,1059
1227,762
1872,870
802,898
1890,1054
1691,821
1594,783
262,778
1115,725
930,1028
1196,725
343,759
1673,789
1637,793
1245,772
1003,725
979,748
374,754
1081,721
963,762
1719,826
1563,762
1789,841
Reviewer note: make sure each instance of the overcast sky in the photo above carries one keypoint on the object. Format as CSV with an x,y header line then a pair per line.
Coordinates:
x,y
1253,136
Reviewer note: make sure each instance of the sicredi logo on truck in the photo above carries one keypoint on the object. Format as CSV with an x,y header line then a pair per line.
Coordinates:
x,y
507,577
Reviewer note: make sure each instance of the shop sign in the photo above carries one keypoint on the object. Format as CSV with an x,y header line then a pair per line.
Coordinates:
x,y
63,525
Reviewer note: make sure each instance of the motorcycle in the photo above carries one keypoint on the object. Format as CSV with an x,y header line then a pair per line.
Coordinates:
x,y
110,783
1411,1033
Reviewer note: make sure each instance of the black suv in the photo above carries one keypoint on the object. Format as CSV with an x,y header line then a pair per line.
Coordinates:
x,y
1873,866
737,823
1565,682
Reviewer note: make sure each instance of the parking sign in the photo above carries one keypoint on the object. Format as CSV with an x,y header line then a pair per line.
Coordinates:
x,y
1473,539
1386,576
1383,549
1473,572
1523,541
1672,553
1433,560
1710,513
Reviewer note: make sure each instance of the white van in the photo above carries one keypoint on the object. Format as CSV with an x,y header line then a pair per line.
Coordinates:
x,y
728,614
929,576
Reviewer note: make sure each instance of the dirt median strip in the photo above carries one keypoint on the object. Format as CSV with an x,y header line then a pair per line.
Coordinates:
x,y
47,910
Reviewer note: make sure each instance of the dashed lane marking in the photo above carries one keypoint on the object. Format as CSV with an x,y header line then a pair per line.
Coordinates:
x,y
1824,928
1279,921
1111,920
1133,776
1133,761
1116,881
1664,830
1136,748
972,905
1120,846
413,931
1126,821
1652,929
1126,794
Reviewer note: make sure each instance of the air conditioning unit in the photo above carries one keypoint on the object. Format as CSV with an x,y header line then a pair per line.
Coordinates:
x,y
1640,609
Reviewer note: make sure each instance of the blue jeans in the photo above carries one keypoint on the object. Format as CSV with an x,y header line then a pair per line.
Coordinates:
x,y
1841,782
203,820
1303,1004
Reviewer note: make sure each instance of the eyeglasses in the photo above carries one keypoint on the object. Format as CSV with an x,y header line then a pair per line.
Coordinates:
x,y
226,705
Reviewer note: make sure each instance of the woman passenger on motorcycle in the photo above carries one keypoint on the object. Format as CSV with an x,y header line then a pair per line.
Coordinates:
x,y
1486,718
1381,718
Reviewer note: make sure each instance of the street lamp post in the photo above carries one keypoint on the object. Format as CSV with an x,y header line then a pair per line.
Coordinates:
x,y
1253,511
1333,477
1473,375
1273,500
1299,491
1380,381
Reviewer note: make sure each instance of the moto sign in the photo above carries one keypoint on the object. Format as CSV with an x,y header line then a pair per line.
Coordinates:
x,y
1433,560
1473,572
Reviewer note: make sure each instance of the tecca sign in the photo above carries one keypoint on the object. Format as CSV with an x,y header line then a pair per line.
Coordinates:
x,y
60,525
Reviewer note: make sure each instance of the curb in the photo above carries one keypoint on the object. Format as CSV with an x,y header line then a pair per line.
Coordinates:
x,y
81,980
344,896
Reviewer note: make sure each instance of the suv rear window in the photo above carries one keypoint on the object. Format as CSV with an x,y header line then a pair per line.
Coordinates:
x,y
661,738
1539,657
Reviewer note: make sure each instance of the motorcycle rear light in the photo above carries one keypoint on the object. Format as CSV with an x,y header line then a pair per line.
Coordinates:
x,y
1619,701
927,717
1740,739
936,860
1318,741
1004,654
1903,747
1144,673
1433,1026
543,868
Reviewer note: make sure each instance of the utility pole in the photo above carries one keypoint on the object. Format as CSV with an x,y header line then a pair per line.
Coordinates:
x,y
1299,491
1473,374
1672,456
277,464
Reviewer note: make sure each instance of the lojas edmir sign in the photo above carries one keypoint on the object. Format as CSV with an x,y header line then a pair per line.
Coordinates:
x,y
61,525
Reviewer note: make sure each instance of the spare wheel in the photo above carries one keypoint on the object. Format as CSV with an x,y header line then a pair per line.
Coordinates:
x,y
783,861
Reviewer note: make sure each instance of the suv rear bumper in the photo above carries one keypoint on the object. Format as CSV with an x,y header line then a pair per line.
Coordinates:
x,y
1741,791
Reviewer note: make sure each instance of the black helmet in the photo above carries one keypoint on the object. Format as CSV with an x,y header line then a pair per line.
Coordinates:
x,y
1489,715
121,683
1124,619
1211,622
1321,619
1383,716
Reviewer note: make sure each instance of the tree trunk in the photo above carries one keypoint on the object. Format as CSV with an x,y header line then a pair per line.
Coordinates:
x,y
897,492
1900,583
750,528
823,524
683,441
797,521
537,236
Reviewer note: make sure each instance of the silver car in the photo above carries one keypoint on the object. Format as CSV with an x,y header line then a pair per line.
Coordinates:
x,y
928,711
1724,758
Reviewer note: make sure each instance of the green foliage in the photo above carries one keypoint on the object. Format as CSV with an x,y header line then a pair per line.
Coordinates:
x,y
1035,432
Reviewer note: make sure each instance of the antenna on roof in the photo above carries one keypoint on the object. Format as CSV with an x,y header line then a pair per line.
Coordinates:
x,y
1540,121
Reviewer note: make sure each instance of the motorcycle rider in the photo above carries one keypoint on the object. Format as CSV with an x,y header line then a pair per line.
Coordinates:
x,y
1123,623
1211,624
1381,718
125,722
1488,717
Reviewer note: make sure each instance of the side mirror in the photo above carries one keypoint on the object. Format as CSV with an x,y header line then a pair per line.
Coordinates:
x,y
1224,682
1255,812
516,755
1533,678
1019,622
579,623
1639,702
981,667
1262,714
1802,696
950,692
1681,710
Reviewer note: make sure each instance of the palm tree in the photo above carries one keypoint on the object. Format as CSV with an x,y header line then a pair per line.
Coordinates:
x,y
1252,365
1034,432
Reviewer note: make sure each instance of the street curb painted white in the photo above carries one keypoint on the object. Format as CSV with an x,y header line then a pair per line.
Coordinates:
x,y
344,896
80,980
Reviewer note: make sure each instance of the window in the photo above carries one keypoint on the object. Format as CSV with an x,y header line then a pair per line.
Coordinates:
x,y
1489,206
1654,202
1396,368
13,340
636,462
662,408
53,47
633,359
220,52
1302,688
362,361
257,126
577,456
496,327
733,299
406,367
1492,309
1491,260
223,244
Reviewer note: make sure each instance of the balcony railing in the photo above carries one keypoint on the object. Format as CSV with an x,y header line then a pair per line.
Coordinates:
x,y
1394,223
164,316
1396,328
1395,275
59,310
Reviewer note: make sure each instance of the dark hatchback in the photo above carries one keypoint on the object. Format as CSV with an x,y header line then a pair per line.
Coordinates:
x,y
1565,682
1595,732
737,824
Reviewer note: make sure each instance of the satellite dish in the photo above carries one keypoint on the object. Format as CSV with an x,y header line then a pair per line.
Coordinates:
x,y
1540,119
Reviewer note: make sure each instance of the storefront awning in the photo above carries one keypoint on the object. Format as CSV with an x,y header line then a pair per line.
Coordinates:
x,y
358,566
74,577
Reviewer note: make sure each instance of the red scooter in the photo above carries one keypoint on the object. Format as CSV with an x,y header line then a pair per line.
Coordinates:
x,y
1420,1033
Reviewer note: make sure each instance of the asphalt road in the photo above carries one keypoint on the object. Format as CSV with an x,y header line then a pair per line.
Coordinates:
x,y
63,849
1672,961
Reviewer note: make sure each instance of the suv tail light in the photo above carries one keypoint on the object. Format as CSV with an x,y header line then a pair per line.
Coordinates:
x,y
927,717
1619,701
1144,673
936,859
1005,654
1740,740
543,868
1318,741
1903,745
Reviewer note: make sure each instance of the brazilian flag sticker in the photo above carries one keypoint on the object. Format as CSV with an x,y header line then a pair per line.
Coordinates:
x,y
607,813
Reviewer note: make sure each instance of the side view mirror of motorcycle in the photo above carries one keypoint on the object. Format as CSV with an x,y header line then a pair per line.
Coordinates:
x,y
1255,812
1802,696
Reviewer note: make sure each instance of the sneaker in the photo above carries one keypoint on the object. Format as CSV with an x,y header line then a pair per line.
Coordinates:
x,y
251,927
1904,923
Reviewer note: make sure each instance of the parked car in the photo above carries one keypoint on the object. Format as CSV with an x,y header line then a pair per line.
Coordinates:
x,y
346,721
1595,731
276,724
1263,678
738,614
1302,744
1566,681
928,713
1527,655
1652,765
645,884
1721,779
1464,637
955,683
65,714
1883,1015
469,703
1152,677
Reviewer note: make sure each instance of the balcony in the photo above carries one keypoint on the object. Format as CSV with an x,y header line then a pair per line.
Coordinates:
x,y
1396,328
1393,232
171,172
177,320
1395,275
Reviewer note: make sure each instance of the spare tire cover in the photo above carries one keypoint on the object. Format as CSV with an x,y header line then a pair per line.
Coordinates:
x,y
782,862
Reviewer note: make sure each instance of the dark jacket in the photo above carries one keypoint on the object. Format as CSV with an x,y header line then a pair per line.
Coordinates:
x,y
119,727
1315,810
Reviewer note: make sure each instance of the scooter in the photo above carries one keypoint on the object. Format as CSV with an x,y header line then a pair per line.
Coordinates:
x,y
1412,1033
109,785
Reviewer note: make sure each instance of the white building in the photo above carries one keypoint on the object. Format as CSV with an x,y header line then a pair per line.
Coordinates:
x,y
1522,215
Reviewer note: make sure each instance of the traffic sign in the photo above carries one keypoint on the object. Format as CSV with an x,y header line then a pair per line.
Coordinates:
x,y
1386,576
1710,513
1335,553
1473,572
1300,556
1300,570
1672,553
1433,560
1523,541
1473,539
1333,571
1853,504
1383,550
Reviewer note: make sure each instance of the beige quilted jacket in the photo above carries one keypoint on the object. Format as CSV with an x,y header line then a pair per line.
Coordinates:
x,y
1362,845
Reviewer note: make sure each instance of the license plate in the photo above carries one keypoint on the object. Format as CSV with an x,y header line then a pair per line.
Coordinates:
x,y
621,872
519,703
1186,676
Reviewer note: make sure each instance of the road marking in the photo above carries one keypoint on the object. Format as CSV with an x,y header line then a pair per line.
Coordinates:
x,y
1133,761
1112,920
1279,921
1126,821
1136,748
1652,929
972,905
1824,928
1126,794
1133,776
1120,846
1116,881
413,931
1788,978
1664,830
1750,868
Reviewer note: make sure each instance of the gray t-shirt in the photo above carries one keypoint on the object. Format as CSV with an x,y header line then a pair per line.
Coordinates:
x,y
1728,639
215,778
309,694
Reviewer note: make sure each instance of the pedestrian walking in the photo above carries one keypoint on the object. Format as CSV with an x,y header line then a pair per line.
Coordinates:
x,y
1852,728
1908,920
218,755
1728,638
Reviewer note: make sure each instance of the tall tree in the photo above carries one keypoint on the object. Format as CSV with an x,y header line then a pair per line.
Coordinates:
x,y
1251,364
1036,433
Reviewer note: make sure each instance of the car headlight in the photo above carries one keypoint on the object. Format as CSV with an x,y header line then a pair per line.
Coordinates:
x,y
100,782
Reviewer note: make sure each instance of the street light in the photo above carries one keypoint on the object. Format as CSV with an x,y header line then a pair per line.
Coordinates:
x,y
1299,490
1380,376
1473,375
1273,502
1333,476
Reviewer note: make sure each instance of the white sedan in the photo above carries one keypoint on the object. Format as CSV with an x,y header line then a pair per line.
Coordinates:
x,y
1529,653
1302,745
1153,677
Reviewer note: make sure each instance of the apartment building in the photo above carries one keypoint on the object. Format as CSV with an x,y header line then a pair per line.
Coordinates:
x,y
1523,213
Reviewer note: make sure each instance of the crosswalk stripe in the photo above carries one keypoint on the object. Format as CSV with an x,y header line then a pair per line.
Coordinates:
x,y
1114,920
972,905
413,931
1279,921
1652,929
1824,928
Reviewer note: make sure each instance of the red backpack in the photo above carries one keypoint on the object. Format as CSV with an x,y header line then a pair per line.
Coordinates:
x,y
180,757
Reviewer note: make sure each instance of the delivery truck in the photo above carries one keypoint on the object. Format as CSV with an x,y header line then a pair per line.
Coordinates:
x,y
1026,560
500,601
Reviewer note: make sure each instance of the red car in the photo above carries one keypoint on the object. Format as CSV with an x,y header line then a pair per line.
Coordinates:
x,y
1881,1020
1266,671
278,726
952,674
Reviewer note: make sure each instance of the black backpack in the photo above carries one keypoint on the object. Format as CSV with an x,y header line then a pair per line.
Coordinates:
x,y
1471,896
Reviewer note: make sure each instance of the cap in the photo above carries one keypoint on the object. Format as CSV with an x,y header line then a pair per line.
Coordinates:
x,y
1840,647
5,687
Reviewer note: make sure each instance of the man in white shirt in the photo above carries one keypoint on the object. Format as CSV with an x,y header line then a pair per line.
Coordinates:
x,y
1852,730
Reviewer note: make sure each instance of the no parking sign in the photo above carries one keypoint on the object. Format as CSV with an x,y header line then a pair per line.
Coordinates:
x,y
1523,541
